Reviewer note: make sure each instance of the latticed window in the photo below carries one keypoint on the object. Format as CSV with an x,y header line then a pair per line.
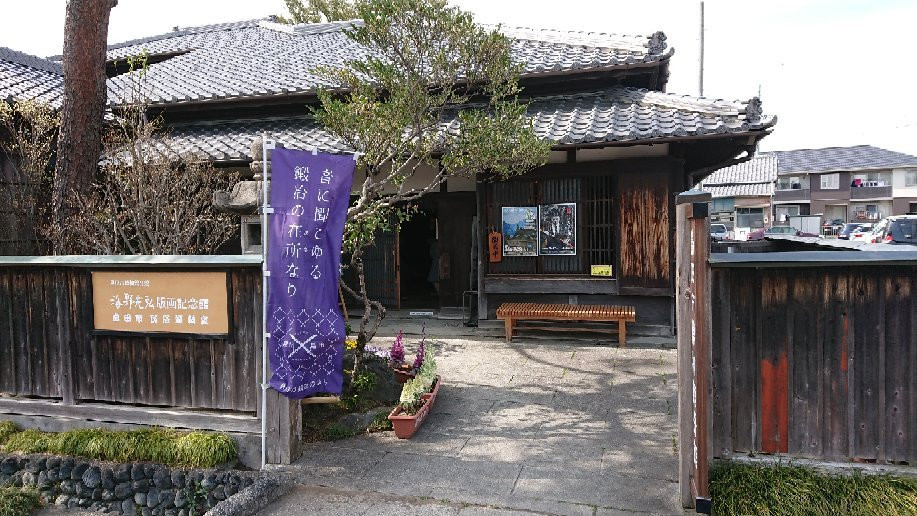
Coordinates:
x,y
595,230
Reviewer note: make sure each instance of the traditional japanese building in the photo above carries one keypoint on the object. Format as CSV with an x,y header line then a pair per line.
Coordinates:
x,y
743,195
622,148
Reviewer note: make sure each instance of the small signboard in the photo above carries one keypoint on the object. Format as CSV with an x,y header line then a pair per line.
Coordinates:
x,y
160,302
601,270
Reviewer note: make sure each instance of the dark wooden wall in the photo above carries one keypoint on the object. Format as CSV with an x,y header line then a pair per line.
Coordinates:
x,y
816,361
644,213
47,348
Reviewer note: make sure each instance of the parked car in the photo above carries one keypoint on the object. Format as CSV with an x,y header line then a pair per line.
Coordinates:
x,y
760,234
861,233
832,227
718,232
901,229
844,233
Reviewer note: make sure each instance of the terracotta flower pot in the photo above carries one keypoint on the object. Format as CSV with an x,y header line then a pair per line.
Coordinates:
x,y
403,373
405,425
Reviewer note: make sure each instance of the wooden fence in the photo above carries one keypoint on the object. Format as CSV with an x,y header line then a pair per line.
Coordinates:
x,y
48,348
815,355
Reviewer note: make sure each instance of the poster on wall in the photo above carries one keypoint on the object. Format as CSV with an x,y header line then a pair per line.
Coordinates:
x,y
557,229
520,233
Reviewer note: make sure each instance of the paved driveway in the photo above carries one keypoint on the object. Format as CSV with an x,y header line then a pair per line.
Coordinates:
x,y
535,425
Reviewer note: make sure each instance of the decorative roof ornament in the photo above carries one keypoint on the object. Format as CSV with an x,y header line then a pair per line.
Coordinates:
x,y
753,110
656,43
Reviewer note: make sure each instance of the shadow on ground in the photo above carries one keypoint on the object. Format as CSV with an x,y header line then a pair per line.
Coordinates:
x,y
546,426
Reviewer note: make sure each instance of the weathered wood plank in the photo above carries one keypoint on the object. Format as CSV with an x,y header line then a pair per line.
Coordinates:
x,y
723,322
867,369
897,304
222,421
64,324
773,364
643,212
8,350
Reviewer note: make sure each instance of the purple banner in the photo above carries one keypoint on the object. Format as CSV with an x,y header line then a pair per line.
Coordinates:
x,y
310,194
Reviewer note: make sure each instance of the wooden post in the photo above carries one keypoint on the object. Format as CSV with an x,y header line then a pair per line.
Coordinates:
x,y
482,262
694,327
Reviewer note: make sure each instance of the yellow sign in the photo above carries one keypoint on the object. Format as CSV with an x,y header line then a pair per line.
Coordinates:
x,y
601,270
160,302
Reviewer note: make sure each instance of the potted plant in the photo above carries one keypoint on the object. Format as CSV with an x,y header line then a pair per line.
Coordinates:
x,y
403,371
417,397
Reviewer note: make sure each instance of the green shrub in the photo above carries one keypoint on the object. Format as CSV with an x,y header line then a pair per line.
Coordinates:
x,y
790,490
16,501
7,428
195,449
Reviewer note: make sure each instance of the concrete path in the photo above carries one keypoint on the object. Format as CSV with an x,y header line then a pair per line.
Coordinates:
x,y
533,426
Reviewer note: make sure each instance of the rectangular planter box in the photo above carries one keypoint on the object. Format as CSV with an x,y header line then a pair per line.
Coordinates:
x,y
405,425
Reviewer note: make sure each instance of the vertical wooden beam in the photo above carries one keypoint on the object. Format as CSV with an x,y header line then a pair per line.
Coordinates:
x,y
64,334
694,327
703,350
683,308
482,248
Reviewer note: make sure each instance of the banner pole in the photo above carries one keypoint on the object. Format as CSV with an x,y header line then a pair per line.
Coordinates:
x,y
264,287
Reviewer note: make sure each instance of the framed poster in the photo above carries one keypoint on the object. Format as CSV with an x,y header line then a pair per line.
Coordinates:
x,y
160,302
557,229
520,233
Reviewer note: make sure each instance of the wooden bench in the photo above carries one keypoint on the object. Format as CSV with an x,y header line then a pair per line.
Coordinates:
x,y
512,312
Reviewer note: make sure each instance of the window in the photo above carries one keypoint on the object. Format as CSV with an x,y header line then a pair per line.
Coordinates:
x,y
789,183
783,213
596,224
829,181
910,178
750,218
912,208
722,204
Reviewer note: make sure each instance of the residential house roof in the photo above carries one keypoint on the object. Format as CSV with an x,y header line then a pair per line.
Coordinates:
x,y
257,59
612,115
828,159
27,77
752,178
262,58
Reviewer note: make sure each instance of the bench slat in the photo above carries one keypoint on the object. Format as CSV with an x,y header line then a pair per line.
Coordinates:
x,y
512,312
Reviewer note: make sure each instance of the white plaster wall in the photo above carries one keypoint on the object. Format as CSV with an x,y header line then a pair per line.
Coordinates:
x,y
899,183
425,173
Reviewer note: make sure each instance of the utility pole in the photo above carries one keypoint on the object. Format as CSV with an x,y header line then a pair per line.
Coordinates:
x,y
700,78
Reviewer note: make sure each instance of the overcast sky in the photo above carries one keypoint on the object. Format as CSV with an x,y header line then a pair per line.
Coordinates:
x,y
835,73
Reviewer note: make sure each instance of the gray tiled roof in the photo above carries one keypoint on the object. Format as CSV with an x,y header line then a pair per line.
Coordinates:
x,y
263,58
759,169
27,77
612,115
751,178
828,159
741,190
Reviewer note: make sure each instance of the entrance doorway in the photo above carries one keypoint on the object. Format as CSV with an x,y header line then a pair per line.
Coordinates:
x,y
419,261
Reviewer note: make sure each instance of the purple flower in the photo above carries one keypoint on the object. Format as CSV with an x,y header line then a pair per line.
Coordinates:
x,y
421,351
396,354
379,352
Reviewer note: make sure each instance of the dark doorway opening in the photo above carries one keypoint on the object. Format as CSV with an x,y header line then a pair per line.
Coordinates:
x,y
418,260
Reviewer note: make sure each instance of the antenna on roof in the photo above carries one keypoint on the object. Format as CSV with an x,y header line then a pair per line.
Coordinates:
x,y
700,78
